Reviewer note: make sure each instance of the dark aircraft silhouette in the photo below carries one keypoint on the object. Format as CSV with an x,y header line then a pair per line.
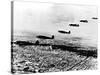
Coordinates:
x,y
85,21
23,43
76,25
64,32
45,37
94,18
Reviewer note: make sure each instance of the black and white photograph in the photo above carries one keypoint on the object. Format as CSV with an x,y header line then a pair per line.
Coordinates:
x,y
53,37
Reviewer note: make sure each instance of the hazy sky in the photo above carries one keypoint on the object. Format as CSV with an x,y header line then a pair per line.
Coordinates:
x,y
46,17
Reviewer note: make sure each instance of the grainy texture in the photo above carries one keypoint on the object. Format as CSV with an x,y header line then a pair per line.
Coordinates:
x,y
53,37
37,58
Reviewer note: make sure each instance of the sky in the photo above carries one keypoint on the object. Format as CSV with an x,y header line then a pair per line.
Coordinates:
x,y
51,17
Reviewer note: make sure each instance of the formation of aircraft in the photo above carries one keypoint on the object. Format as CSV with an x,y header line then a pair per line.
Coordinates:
x,y
63,31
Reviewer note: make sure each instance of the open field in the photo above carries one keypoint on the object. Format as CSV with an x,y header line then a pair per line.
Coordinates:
x,y
65,55
53,37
